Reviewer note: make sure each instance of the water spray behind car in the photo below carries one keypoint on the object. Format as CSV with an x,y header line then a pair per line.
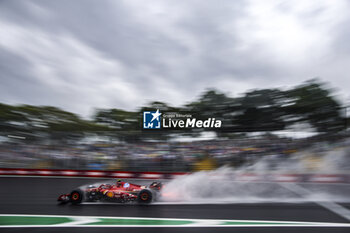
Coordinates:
x,y
219,186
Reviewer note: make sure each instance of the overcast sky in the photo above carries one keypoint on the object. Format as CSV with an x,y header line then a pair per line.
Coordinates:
x,y
81,55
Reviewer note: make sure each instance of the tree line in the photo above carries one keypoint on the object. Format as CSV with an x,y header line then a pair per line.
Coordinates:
x,y
261,110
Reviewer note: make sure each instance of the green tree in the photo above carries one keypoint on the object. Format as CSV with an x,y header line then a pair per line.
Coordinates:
x,y
39,122
260,110
312,102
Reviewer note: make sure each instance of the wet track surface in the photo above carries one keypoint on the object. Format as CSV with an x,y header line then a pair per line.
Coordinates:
x,y
24,195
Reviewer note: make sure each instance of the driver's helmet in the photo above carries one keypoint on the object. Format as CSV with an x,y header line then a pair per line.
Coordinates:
x,y
157,185
119,182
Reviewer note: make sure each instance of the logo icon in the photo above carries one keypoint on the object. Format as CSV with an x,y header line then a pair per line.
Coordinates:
x,y
151,119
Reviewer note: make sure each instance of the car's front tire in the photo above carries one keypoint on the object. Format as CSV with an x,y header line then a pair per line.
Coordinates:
x,y
76,196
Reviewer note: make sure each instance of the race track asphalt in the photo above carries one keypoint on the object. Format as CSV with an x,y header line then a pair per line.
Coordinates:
x,y
28,195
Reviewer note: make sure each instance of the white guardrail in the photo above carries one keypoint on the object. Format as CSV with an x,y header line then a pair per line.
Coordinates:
x,y
244,177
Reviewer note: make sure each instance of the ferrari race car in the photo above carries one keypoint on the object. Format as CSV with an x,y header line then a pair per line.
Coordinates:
x,y
121,192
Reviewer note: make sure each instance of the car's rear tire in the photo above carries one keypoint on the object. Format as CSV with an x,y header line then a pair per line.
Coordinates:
x,y
144,197
76,196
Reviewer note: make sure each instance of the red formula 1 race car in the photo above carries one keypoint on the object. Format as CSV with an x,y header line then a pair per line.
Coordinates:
x,y
121,192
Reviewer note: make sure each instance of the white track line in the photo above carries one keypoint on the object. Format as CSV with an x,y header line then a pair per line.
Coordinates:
x,y
332,206
196,222
331,225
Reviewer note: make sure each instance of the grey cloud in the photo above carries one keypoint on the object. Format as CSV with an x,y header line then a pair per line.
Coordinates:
x,y
171,56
